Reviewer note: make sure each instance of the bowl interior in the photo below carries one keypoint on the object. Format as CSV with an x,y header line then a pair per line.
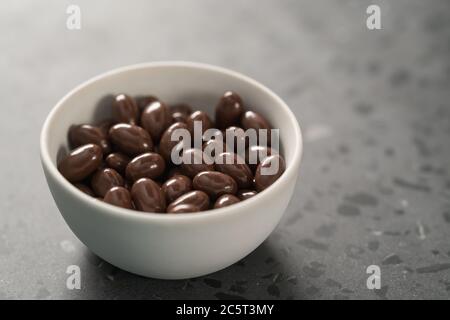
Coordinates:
x,y
196,84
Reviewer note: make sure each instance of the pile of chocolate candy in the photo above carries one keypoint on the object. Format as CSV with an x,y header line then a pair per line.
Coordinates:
x,y
127,161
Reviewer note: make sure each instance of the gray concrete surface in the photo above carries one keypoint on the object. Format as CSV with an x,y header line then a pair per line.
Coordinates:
x,y
375,112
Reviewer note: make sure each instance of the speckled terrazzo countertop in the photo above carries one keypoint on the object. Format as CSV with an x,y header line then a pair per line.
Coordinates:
x,y
374,107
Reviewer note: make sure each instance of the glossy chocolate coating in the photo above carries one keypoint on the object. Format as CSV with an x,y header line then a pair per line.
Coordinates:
x,y
229,110
117,161
147,196
147,165
180,112
264,181
238,139
225,201
165,144
85,134
175,187
199,116
211,147
144,101
81,162
245,194
125,109
214,183
105,179
191,168
119,196
195,198
240,172
257,153
156,118
84,188
183,208
130,139
253,120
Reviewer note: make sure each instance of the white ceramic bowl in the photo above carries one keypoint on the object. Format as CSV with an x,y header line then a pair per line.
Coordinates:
x,y
161,245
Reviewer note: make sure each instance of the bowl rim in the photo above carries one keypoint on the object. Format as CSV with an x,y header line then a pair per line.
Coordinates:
x,y
129,213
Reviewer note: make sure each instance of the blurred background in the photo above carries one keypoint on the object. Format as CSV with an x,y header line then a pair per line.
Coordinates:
x,y
373,105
